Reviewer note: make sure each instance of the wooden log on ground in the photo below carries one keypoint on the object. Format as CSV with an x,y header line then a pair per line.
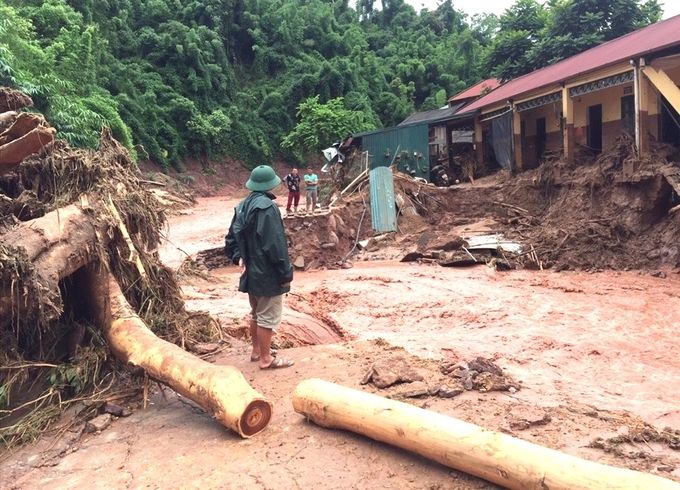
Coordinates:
x,y
12,153
219,389
499,458
66,240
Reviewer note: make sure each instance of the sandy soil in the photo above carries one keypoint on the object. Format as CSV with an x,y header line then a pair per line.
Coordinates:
x,y
595,353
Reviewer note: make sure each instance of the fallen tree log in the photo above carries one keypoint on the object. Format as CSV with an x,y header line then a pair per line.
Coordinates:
x,y
55,246
12,153
219,389
499,458
62,242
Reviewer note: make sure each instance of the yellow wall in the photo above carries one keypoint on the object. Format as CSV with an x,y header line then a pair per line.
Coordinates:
x,y
610,99
551,113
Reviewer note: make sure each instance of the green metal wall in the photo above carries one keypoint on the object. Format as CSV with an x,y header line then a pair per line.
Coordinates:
x,y
410,139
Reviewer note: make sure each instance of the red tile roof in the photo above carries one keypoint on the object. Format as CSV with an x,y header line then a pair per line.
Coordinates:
x,y
654,37
477,90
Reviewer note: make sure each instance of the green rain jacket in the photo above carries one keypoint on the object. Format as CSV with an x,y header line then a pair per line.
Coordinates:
x,y
256,234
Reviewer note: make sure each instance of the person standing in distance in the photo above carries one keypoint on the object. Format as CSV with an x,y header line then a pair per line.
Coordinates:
x,y
257,242
292,180
312,194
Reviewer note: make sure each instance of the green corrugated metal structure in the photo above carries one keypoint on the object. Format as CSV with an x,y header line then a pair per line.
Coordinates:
x,y
412,142
412,139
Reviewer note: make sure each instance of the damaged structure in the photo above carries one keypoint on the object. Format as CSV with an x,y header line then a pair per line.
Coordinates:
x,y
627,86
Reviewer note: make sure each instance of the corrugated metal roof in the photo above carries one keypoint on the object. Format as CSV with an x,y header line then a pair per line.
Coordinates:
x,y
383,208
433,115
477,90
460,115
652,38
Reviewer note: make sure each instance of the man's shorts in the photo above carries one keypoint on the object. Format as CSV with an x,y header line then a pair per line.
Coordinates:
x,y
266,310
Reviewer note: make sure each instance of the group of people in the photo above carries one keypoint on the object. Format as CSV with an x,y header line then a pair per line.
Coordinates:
x,y
311,182
257,242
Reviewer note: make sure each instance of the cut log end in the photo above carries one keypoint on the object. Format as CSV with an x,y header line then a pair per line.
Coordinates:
x,y
255,418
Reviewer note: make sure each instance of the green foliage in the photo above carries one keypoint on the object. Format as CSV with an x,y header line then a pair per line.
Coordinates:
x,y
216,78
532,36
210,134
321,125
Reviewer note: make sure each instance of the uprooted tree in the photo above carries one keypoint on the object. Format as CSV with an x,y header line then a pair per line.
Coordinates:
x,y
80,279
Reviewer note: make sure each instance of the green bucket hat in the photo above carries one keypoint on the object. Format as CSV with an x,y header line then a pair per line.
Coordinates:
x,y
263,178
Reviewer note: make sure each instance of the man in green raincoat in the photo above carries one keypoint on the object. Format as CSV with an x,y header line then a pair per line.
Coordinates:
x,y
257,242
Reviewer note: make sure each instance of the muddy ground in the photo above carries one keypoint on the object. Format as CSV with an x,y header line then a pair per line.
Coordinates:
x,y
594,351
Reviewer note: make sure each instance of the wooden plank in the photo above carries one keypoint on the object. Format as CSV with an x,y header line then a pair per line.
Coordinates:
x,y
664,85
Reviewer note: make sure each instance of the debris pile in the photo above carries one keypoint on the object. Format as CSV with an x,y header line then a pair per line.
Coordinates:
x,y
68,219
479,374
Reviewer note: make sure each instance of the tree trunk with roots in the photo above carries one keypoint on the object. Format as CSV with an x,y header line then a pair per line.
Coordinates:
x,y
76,227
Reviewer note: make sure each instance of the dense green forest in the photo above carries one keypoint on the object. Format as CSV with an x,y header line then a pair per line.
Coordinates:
x,y
210,78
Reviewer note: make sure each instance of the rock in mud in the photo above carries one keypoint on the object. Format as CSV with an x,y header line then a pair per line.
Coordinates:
x,y
482,365
449,367
116,410
201,348
388,372
464,373
312,264
99,423
446,243
583,409
299,262
328,245
659,274
451,391
522,418
491,382
416,390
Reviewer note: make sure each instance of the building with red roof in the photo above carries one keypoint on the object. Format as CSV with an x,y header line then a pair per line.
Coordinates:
x,y
470,94
627,85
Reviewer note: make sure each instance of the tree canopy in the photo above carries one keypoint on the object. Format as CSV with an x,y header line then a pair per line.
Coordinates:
x,y
532,35
180,78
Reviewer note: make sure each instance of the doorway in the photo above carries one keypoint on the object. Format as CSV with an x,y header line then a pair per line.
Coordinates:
x,y
595,128
541,138
628,114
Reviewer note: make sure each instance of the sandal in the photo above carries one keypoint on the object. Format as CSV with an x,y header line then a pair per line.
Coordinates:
x,y
272,353
279,363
